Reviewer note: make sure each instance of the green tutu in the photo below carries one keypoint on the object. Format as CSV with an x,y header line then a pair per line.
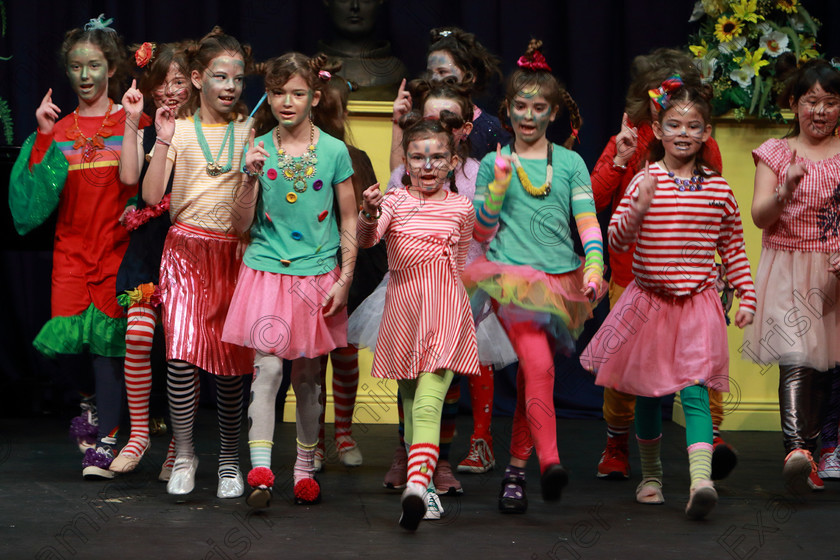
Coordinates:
x,y
91,331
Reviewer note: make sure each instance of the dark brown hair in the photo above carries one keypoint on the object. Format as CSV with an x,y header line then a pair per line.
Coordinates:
x,y
154,74
200,54
111,45
416,127
799,81
478,65
700,99
549,88
423,90
648,72
280,70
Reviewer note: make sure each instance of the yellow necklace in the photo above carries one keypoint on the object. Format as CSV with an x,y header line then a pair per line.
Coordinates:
x,y
537,192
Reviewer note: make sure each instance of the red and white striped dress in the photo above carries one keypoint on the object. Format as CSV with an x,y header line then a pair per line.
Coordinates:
x,y
667,331
427,324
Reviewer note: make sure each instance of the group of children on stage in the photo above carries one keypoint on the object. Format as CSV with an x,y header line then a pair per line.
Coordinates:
x,y
251,236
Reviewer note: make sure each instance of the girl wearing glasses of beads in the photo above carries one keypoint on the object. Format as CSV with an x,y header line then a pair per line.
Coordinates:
x,y
200,257
797,203
291,295
427,332
541,292
73,165
667,331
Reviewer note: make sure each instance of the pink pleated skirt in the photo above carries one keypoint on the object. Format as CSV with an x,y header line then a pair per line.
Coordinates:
x,y
281,314
650,345
797,321
197,279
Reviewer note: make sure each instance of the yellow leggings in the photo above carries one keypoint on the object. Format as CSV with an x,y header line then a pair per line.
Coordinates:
x,y
619,408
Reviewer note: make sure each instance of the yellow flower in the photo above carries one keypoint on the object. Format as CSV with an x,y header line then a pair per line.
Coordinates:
x,y
746,11
807,44
753,60
788,6
727,28
701,50
714,7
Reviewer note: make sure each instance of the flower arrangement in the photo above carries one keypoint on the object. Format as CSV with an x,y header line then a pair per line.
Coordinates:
x,y
737,47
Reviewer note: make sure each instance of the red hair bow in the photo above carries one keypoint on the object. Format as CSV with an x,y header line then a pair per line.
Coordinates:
x,y
534,62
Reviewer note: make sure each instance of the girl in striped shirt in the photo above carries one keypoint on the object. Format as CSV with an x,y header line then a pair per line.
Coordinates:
x,y
667,331
427,331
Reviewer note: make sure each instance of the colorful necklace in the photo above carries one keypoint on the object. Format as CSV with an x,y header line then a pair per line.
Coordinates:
x,y
95,142
545,188
297,171
214,168
693,184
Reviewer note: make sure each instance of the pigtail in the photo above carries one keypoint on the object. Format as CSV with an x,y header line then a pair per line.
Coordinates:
x,y
575,119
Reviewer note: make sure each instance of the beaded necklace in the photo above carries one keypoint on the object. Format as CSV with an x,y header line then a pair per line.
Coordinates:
x,y
95,142
537,192
297,171
693,184
214,168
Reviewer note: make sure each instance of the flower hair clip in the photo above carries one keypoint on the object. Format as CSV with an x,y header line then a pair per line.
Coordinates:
x,y
145,54
324,75
445,33
535,61
100,23
661,94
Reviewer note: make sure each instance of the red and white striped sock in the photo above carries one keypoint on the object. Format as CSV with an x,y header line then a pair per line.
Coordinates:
x,y
345,384
138,374
422,460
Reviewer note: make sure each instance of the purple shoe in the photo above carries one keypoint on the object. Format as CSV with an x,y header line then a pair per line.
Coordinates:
x,y
96,462
84,428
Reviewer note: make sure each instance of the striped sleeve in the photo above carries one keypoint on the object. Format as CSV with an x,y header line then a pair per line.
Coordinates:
x,y
626,221
467,224
732,251
583,208
368,233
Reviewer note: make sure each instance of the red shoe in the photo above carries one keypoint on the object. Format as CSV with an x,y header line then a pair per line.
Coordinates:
x,y
724,459
800,470
615,461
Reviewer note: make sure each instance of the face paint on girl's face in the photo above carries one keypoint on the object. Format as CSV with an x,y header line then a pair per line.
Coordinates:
x,y
88,71
174,91
221,83
530,114
440,65
292,102
682,130
818,111
428,162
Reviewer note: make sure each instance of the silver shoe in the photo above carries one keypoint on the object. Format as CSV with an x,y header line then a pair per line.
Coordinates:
x,y
231,487
182,480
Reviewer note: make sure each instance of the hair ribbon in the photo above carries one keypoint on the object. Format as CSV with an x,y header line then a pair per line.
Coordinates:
x,y
100,23
535,61
662,94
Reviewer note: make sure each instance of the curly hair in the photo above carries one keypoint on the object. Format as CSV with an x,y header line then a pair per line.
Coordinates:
x,y
470,56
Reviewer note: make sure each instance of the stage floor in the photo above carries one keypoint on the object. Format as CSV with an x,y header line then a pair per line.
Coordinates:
x,y
49,512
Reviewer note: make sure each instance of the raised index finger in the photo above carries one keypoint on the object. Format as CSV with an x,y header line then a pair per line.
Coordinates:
x,y
402,88
48,96
134,83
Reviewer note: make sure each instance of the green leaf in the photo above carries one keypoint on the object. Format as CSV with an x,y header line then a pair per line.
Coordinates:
x,y
808,20
756,93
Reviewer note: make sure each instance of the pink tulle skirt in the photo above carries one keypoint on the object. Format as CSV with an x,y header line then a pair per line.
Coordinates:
x,y
281,314
650,345
197,279
796,320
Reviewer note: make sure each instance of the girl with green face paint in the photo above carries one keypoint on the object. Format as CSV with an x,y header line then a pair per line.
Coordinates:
x,y
202,153
56,165
540,288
